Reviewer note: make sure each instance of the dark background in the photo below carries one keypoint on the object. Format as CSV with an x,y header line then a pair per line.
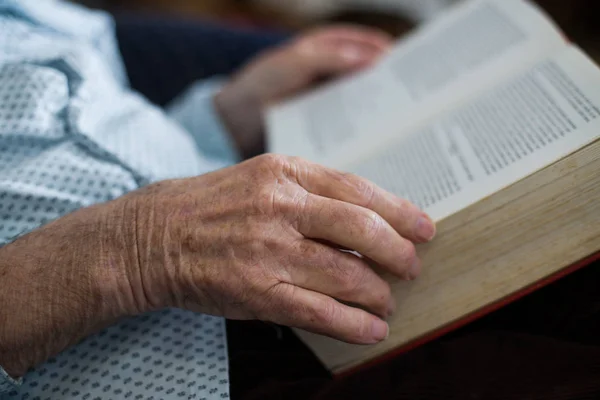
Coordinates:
x,y
578,18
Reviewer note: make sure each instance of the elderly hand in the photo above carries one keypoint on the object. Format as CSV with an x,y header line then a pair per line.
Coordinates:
x,y
286,71
261,240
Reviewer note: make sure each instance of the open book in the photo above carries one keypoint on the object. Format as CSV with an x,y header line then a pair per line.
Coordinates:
x,y
489,120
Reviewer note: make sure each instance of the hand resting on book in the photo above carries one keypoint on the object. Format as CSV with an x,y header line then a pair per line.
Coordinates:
x,y
259,240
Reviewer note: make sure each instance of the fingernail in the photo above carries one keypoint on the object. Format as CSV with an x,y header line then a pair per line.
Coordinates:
x,y
381,330
414,271
351,53
425,229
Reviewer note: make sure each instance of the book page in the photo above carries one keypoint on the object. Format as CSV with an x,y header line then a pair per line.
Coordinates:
x,y
501,137
470,47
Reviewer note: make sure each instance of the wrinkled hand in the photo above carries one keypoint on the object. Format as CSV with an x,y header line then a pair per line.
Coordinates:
x,y
260,240
286,71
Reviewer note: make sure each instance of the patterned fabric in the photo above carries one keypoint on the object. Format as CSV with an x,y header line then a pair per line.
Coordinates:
x,y
73,134
168,355
6,382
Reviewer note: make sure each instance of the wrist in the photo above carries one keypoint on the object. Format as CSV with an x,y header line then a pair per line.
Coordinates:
x,y
153,278
59,284
242,116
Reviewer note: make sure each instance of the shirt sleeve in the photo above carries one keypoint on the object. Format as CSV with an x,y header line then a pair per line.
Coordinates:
x,y
47,167
196,112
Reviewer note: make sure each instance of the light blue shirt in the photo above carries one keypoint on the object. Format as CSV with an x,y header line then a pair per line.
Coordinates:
x,y
72,133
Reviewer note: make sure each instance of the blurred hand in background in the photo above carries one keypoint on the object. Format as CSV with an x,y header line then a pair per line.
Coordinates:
x,y
300,64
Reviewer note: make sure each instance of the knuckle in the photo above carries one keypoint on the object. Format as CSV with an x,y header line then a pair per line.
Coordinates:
x,y
273,199
371,226
365,190
352,276
404,205
364,328
408,254
296,160
325,313
272,161
267,167
270,167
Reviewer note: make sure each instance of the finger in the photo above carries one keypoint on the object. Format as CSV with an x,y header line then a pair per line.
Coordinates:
x,y
361,230
379,270
320,314
406,218
359,34
317,60
363,54
342,276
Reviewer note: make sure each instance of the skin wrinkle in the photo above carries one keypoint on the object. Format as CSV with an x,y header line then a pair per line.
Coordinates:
x,y
269,296
167,263
135,304
127,299
193,293
273,247
364,191
285,261
151,232
352,279
371,230
328,215
144,293
55,301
